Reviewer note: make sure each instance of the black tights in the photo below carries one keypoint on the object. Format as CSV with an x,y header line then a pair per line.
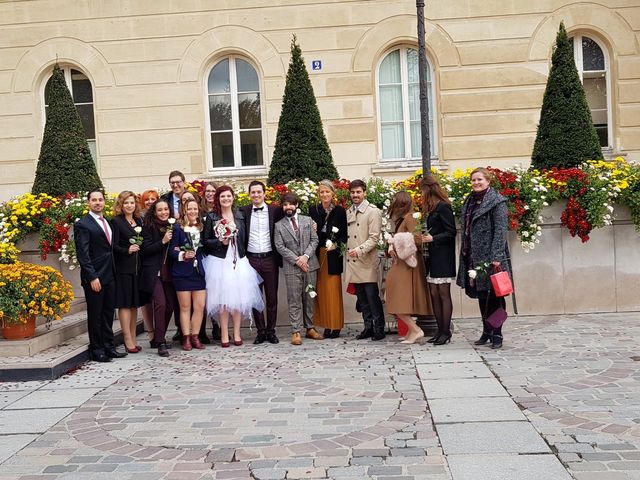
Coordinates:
x,y
442,306
487,307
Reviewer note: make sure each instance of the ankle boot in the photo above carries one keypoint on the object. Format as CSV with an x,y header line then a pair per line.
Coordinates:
x,y
484,338
195,342
186,343
496,342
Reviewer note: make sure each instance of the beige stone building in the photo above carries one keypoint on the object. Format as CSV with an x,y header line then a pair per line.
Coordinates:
x,y
196,85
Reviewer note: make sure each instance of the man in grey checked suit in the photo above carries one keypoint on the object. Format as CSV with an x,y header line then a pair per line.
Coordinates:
x,y
296,240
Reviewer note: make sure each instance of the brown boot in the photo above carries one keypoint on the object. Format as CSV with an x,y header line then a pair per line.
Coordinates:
x,y
296,339
311,333
186,343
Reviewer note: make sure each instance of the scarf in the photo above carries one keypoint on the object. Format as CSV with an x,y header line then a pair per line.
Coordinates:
x,y
475,199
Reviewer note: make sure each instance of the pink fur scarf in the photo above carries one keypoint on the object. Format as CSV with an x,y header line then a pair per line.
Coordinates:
x,y
405,247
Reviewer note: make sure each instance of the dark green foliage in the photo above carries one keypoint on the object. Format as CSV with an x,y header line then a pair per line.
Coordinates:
x,y
566,135
65,163
301,149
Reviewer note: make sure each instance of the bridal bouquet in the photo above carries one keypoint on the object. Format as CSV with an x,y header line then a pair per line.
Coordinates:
x,y
225,229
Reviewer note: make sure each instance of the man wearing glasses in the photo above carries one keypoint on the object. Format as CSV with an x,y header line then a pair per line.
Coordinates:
x,y
176,182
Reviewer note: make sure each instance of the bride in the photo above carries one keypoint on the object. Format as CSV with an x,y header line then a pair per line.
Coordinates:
x,y
232,283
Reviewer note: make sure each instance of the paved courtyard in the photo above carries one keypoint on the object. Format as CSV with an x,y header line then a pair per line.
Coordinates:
x,y
561,400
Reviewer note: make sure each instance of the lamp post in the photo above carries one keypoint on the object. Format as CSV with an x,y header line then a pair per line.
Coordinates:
x,y
427,323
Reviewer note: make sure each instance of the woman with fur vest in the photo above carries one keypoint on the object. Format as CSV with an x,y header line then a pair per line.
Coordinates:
x,y
406,285
484,222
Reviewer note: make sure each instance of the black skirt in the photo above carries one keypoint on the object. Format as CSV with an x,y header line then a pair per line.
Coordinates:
x,y
127,293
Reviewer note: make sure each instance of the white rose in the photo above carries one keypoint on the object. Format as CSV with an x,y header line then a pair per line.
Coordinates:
x,y
472,274
417,215
313,294
328,244
335,229
387,202
171,221
138,230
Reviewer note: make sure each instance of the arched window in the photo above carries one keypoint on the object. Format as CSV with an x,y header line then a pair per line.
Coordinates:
x,y
234,120
82,94
399,106
593,66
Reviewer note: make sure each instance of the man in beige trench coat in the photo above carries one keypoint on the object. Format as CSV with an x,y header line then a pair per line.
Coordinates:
x,y
364,221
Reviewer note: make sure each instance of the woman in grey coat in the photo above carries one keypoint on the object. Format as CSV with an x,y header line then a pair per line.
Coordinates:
x,y
484,221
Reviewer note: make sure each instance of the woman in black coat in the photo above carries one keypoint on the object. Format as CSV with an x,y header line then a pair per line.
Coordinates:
x,y
331,221
156,285
127,229
484,224
441,241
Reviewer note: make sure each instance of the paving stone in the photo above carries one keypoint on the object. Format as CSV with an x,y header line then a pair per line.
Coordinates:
x,y
506,467
48,399
463,387
269,473
11,444
444,410
31,421
490,438
356,471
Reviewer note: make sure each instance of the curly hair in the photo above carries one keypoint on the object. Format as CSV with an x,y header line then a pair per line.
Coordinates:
x,y
117,208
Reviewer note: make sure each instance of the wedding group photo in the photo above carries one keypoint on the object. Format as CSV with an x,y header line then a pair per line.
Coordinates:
x,y
319,239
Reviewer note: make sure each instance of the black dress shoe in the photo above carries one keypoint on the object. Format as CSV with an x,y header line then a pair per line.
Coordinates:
x,y
260,338
377,336
177,337
366,333
100,357
204,339
115,354
326,333
271,338
335,333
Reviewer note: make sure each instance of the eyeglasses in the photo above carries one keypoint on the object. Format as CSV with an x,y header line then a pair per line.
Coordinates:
x,y
179,182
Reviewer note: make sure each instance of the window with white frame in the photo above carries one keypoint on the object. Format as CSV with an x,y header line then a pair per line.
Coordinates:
x,y
81,91
234,120
399,106
593,67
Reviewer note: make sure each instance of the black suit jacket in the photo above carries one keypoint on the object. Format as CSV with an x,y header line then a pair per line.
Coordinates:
x,y
275,214
337,218
213,246
93,251
154,254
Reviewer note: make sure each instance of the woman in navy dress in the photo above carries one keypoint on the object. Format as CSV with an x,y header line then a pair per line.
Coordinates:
x,y
187,272
127,227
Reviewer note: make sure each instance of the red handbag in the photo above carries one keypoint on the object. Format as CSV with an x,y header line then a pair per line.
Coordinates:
x,y
501,282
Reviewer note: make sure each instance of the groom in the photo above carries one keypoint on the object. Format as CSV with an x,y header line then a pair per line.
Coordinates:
x,y
296,241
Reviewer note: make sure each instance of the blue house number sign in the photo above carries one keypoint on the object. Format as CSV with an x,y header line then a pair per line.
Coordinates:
x,y
316,64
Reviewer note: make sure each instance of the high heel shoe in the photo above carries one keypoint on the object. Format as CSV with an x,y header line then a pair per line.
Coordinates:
x,y
411,339
132,350
224,344
434,338
484,338
443,339
237,343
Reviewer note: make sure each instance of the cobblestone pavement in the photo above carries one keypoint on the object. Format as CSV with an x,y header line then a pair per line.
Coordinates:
x,y
343,409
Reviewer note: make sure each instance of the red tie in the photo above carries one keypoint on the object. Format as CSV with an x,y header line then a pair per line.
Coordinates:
x,y
294,224
106,229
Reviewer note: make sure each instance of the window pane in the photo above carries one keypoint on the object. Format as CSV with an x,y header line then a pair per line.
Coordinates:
x,y
414,102
92,148
391,103
249,110
219,78
222,149
81,87
220,112
247,77
595,89
592,55
416,140
251,146
392,140
390,69
86,117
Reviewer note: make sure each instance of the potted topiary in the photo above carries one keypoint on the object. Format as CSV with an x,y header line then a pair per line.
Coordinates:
x,y
28,291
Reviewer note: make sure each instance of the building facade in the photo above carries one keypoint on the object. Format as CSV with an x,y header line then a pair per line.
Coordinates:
x,y
197,85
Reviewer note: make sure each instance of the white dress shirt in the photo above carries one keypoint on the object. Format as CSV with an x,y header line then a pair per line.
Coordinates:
x,y
259,234
98,218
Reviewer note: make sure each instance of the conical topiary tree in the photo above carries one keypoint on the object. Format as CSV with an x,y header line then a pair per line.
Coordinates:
x,y
566,135
301,149
65,163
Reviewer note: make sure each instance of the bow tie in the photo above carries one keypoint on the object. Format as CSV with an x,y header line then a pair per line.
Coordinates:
x,y
258,209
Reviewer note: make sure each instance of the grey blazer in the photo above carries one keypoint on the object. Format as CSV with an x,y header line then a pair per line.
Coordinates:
x,y
290,247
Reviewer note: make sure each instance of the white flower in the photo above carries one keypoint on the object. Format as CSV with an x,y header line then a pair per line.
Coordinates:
x,y
313,294
472,274
171,221
328,244
525,234
138,230
610,208
335,229
387,202
417,215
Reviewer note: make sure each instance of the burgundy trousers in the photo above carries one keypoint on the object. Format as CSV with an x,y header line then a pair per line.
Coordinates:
x,y
163,304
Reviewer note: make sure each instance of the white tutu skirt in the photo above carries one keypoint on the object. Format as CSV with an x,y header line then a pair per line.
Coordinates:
x,y
234,289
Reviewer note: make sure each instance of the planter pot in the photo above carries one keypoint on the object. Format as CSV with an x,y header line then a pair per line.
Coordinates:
x,y
20,331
